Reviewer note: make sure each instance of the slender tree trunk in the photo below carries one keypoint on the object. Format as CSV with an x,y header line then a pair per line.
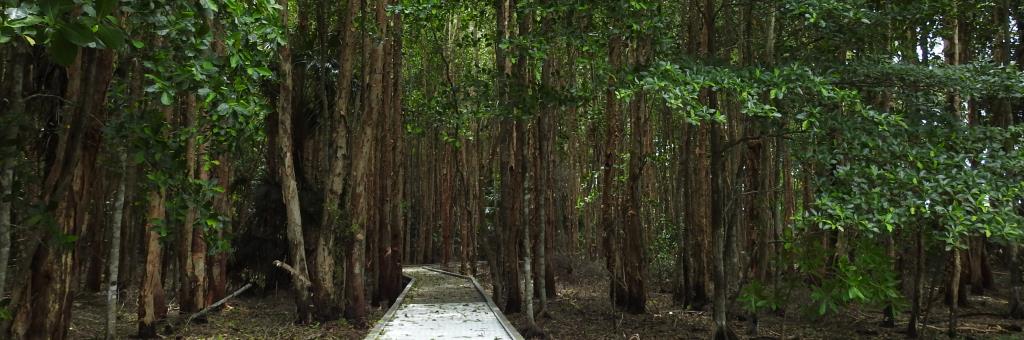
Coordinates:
x,y
610,202
186,276
289,185
542,182
446,203
634,245
223,207
15,111
1016,307
152,305
531,323
915,304
717,176
198,280
954,285
393,288
362,198
113,264
151,296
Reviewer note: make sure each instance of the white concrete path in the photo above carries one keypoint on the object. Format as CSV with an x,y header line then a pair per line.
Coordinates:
x,y
441,305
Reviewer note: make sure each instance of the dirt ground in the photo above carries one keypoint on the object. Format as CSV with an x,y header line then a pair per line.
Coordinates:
x,y
582,311
245,317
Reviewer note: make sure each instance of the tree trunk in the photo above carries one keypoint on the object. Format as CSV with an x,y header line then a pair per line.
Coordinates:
x,y
531,323
610,205
717,176
186,291
152,305
1016,307
7,164
115,248
289,185
395,197
915,304
634,245
151,296
954,285
223,207
362,199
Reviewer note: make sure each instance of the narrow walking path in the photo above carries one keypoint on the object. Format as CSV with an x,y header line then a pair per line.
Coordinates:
x,y
442,305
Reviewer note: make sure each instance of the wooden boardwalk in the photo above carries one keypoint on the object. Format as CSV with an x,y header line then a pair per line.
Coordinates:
x,y
443,305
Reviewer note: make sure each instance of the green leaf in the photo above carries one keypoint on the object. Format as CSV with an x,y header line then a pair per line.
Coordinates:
x,y
165,98
77,34
855,293
138,44
112,37
25,22
62,51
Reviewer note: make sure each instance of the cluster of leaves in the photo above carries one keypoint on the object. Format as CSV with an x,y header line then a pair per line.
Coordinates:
x,y
970,80
961,179
64,26
811,97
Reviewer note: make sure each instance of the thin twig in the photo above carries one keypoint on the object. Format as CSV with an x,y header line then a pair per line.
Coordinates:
x,y
44,95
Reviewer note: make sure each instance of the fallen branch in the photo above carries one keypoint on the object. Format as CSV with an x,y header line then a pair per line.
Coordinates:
x,y
966,328
295,273
217,304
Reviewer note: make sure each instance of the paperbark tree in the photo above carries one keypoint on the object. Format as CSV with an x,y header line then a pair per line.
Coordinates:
x,y
289,185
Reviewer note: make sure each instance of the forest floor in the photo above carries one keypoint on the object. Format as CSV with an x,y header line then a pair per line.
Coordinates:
x,y
582,311
245,317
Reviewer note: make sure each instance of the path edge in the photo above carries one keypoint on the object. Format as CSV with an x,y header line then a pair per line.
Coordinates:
x,y
512,332
374,333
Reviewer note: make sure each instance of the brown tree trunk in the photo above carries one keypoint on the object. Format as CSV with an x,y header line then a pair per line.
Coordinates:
x,y
186,290
93,237
634,245
152,304
7,164
698,187
392,287
115,247
362,199
718,194
610,202
151,297
289,185
223,207
918,287
954,285
513,161
1016,307
446,203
